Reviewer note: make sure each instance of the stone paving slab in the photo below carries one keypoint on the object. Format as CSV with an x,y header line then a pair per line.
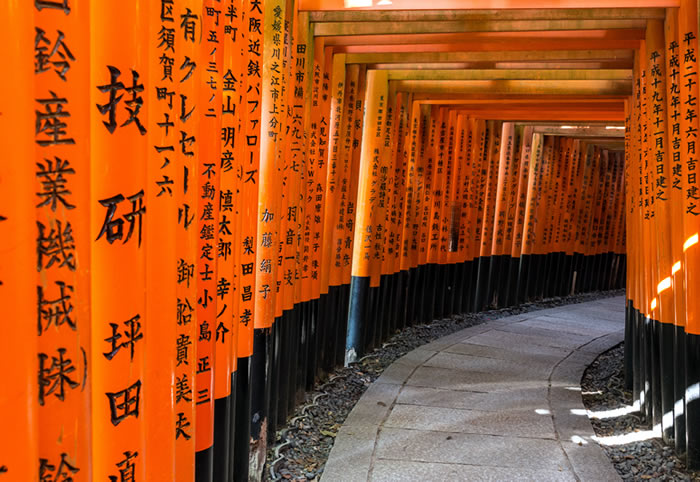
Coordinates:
x,y
387,470
517,422
600,344
473,381
526,328
374,406
458,361
575,327
473,449
512,341
516,354
352,454
591,316
497,401
526,398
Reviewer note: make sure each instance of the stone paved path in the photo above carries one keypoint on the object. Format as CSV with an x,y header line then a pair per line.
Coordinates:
x,y
497,401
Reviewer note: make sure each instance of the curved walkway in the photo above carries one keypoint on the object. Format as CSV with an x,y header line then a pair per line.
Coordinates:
x,y
497,401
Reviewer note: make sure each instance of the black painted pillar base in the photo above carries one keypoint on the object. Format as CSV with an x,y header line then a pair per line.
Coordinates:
x,y
467,287
232,427
242,433
482,275
522,281
382,320
328,321
629,333
679,377
511,298
541,274
655,349
692,400
341,324
667,334
311,317
490,289
222,439
260,400
359,293
301,349
647,355
278,380
638,388
449,290
411,296
204,465
372,316
459,288
320,322
473,285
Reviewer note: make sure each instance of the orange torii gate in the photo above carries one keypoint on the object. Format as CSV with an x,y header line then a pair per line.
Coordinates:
x,y
224,201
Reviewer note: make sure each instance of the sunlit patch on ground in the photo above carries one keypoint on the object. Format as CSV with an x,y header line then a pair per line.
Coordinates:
x,y
634,447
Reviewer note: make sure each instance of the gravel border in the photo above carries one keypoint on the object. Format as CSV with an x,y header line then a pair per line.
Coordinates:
x,y
602,388
302,446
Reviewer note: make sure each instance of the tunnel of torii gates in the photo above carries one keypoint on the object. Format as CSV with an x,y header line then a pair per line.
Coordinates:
x,y
208,205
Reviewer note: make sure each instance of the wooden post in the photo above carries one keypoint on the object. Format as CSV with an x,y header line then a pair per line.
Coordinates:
x,y
521,206
18,292
294,214
334,175
184,97
542,217
477,206
530,221
268,225
411,220
245,251
209,109
444,213
333,182
62,237
503,182
492,152
367,206
119,223
356,140
655,53
227,286
688,33
161,251
676,211
283,334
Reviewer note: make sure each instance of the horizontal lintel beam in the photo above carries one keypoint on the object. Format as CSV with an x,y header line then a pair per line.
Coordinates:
x,y
481,41
340,5
532,87
511,74
490,56
588,65
473,99
560,116
472,15
581,131
331,29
